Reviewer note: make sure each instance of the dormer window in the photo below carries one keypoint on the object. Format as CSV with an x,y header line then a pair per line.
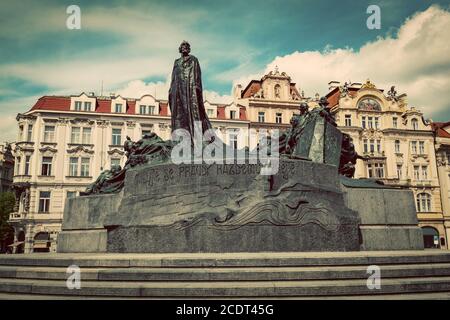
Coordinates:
x,y
87,106
78,105
232,114
415,124
210,112
118,108
143,109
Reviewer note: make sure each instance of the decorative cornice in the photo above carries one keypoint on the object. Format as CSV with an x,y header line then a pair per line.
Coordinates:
x,y
49,149
116,151
82,120
80,148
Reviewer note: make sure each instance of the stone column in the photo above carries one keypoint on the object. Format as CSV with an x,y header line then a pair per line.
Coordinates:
x,y
16,232
29,239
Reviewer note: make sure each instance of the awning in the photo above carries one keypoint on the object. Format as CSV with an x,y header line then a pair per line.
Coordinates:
x,y
16,244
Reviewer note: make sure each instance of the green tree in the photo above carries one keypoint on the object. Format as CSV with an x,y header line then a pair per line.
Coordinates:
x,y
7,200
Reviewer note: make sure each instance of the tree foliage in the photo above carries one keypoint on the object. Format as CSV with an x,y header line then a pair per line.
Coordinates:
x,y
6,207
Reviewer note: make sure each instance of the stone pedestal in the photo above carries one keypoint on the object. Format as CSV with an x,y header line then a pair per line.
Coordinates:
x,y
215,208
388,215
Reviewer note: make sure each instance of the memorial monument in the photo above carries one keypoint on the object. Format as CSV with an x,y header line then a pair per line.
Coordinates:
x,y
308,202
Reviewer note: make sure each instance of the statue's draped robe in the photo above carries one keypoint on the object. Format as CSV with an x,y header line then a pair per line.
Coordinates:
x,y
186,96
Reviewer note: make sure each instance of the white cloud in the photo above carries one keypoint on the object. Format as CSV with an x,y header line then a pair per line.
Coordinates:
x,y
417,61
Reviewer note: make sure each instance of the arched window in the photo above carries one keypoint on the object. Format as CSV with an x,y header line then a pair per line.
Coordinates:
x,y
415,124
369,104
430,237
423,202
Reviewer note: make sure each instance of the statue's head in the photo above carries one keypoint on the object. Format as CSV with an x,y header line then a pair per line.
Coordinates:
x,y
303,107
185,48
323,102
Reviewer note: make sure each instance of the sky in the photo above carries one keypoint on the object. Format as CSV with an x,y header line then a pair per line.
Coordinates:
x,y
130,46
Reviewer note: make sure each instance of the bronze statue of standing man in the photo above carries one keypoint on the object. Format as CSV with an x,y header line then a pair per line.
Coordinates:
x,y
186,93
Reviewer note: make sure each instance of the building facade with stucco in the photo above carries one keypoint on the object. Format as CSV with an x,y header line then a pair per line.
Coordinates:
x,y
64,143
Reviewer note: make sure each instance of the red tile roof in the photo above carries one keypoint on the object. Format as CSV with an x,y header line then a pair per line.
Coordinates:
x,y
52,103
252,88
438,128
103,105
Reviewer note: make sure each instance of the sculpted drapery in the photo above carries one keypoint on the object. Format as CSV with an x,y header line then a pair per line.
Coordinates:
x,y
186,93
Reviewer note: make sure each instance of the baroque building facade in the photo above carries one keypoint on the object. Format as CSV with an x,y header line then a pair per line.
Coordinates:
x,y
6,168
65,142
442,146
398,144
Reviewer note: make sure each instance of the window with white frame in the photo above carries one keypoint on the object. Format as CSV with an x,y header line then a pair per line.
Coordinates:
x,y
86,136
421,147
424,172
73,166
375,170
372,145
49,133
415,124
20,135
261,116
46,169
78,105
366,146
30,133
397,146
379,146
423,202
394,122
27,165
79,167
377,124
44,201
84,167
348,120
232,137
414,147
75,135
116,136
232,114
370,122
210,112
363,122
416,171
118,108
17,169
279,117
143,109
87,106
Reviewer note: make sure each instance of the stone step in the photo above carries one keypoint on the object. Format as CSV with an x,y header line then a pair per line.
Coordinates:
x,y
265,259
444,295
306,288
226,274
